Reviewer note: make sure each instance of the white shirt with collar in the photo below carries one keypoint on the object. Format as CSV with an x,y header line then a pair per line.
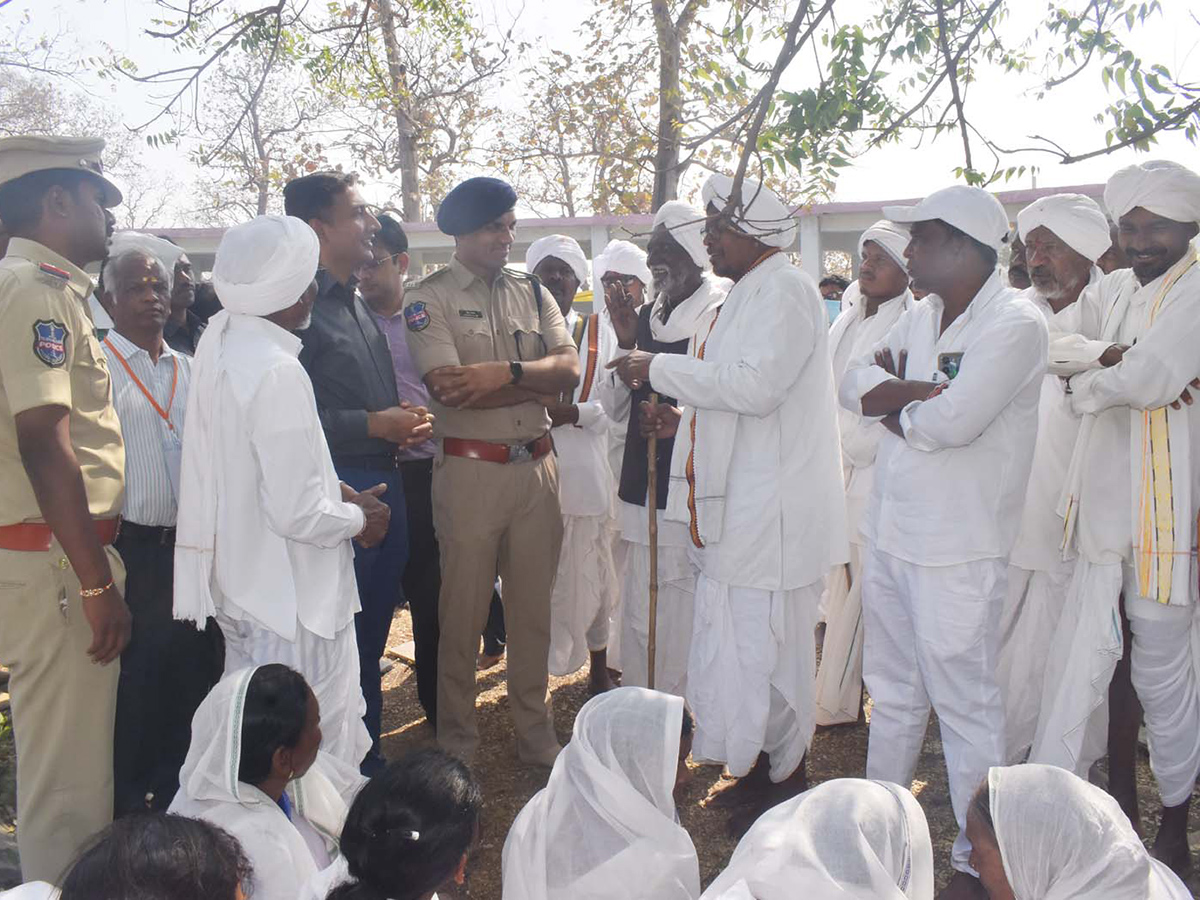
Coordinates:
x,y
283,556
951,490
152,448
852,334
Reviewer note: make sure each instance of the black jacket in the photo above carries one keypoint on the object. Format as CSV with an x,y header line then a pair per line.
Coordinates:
x,y
348,360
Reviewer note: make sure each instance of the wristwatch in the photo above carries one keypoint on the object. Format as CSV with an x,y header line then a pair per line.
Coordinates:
x,y
517,371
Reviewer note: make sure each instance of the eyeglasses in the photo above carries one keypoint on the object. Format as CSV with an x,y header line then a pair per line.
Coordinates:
x,y
613,280
372,266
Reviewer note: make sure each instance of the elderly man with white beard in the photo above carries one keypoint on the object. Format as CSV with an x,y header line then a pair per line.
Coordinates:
x,y
687,297
870,307
757,478
1132,495
1064,235
264,529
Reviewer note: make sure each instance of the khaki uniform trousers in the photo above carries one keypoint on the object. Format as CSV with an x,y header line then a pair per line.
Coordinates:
x,y
63,707
489,518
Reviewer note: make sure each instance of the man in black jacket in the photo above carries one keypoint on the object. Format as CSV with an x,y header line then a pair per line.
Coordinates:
x,y
347,358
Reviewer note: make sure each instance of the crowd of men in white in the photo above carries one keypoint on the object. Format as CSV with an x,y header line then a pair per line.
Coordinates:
x,y
973,490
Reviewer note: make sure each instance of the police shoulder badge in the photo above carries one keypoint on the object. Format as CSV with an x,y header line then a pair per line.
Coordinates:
x,y
416,317
50,342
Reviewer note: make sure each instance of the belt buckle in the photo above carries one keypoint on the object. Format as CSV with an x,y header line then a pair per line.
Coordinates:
x,y
519,453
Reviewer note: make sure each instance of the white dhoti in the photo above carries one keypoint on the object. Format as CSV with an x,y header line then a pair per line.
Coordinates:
x,y
1164,665
839,676
676,602
330,666
1033,604
1080,661
584,592
614,614
930,640
751,673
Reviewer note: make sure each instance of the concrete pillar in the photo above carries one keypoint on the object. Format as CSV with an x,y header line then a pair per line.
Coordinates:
x,y
810,246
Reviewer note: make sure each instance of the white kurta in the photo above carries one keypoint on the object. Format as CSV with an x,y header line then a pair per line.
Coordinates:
x,y
839,677
944,512
758,472
586,587
676,572
1039,571
281,570
1104,491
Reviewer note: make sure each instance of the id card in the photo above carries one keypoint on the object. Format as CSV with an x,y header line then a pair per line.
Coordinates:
x,y
949,364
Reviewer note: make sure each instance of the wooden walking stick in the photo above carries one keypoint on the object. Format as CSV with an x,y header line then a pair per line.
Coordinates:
x,y
652,507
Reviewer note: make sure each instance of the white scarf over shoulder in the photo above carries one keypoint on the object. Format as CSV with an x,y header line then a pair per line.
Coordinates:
x,y
604,826
848,838
1061,838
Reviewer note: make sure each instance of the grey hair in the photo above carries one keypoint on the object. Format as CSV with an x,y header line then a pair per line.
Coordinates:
x,y
112,264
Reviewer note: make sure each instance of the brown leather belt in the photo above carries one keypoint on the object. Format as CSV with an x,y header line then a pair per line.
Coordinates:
x,y
36,537
498,453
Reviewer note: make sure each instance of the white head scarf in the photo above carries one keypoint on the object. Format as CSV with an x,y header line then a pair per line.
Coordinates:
x,y
848,838
891,237
623,258
209,789
762,214
560,247
1076,220
604,826
264,265
166,253
1061,838
1162,187
686,225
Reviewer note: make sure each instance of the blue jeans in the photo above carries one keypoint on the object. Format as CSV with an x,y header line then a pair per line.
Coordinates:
x,y
378,571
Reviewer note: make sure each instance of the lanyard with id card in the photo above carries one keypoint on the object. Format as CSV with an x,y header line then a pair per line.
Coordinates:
x,y
948,364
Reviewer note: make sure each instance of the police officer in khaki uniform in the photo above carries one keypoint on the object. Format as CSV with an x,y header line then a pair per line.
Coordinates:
x,y
489,343
63,621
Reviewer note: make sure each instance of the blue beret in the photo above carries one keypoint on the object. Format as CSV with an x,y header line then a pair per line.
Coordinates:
x,y
474,203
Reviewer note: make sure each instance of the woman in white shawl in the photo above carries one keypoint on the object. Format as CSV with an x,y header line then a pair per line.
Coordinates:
x,y
604,826
255,768
1042,833
849,838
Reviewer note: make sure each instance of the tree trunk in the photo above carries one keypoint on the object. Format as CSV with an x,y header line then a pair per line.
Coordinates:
x,y
406,136
670,108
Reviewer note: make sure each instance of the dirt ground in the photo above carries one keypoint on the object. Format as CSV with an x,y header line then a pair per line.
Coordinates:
x,y
507,784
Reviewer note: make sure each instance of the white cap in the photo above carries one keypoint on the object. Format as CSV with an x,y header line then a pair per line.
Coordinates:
x,y
971,210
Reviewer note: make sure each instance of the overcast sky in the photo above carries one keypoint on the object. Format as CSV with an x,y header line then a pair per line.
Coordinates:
x,y
1003,104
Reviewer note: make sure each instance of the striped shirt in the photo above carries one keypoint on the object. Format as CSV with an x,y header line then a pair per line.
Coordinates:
x,y
149,494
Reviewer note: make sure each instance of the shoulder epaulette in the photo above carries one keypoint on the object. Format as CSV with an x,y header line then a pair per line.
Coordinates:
x,y
425,279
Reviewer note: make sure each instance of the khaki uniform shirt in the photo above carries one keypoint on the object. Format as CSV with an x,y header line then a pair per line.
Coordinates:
x,y
455,318
49,356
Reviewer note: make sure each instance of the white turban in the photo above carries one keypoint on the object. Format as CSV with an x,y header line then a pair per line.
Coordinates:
x,y
560,247
891,237
265,265
1076,220
623,258
762,215
686,224
1164,188
124,242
